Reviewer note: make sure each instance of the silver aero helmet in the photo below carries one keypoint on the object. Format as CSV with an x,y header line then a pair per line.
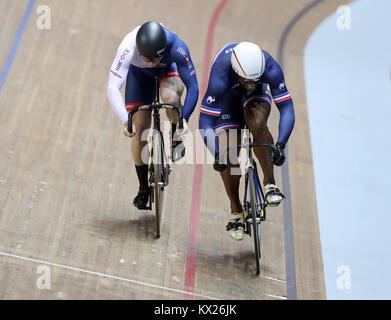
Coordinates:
x,y
248,61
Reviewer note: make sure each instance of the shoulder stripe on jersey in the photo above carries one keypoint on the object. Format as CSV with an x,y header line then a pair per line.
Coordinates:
x,y
282,97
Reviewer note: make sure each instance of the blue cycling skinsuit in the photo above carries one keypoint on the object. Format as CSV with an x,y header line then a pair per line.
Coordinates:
x,y
224,100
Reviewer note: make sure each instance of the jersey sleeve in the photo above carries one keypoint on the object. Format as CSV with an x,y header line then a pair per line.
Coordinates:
x,y
187,73
117,77
282,98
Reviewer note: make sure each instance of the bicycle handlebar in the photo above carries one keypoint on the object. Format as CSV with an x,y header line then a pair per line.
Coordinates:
x,y
152,107
250,145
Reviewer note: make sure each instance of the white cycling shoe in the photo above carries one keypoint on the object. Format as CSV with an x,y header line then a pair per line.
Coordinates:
x,y
235,226
273,195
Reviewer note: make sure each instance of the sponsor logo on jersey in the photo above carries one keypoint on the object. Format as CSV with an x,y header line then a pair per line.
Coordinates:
x,y
281,86
193,72
160,52
119,65
190,66
116,74
123,55
121,59
210,99
226,116
181,51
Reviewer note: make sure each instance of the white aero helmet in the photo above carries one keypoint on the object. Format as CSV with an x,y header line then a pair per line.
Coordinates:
x,y
248,61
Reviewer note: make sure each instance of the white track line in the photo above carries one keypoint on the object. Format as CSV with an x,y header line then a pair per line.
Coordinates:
x,y
277,297
104,275
275,279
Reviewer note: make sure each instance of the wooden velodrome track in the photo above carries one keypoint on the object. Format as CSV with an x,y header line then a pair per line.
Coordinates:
x,y
67,178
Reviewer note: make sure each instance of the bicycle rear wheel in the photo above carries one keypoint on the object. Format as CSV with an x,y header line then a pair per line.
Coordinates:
x,y
260,204
158,178
255,220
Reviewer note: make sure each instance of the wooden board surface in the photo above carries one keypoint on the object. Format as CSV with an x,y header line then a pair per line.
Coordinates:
x,y
67,179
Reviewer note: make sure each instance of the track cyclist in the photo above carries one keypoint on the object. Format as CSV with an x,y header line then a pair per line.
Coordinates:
x,y
147,51
243,82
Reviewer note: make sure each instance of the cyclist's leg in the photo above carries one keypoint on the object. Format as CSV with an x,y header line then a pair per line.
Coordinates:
x,y
231,180
211,125
140,90
230,121
142,122
256,113
171,90
231,184
235,223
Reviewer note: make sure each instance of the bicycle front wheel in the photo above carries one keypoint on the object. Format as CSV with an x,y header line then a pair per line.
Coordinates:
x,y
158,178
255,220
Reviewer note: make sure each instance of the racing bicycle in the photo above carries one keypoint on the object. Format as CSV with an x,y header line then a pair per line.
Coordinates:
x,y
254,205
159,168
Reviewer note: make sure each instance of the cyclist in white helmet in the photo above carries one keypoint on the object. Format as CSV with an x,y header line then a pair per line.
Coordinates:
x,y
243,82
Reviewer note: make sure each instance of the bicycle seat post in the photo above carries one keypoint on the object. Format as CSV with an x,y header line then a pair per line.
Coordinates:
x,y
247,141
157,90
156,114
247,136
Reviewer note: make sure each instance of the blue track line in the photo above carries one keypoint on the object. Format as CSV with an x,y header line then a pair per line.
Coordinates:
x,y
15,44
290,264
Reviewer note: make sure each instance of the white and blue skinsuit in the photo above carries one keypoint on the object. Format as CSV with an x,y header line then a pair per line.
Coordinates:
x,y
140,89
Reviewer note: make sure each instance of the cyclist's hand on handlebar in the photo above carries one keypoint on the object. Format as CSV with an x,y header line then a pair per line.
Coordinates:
x,y
184,131
126,132
279,156
220,164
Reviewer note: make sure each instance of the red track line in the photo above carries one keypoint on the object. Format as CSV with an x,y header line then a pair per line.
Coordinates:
x,y
192,243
